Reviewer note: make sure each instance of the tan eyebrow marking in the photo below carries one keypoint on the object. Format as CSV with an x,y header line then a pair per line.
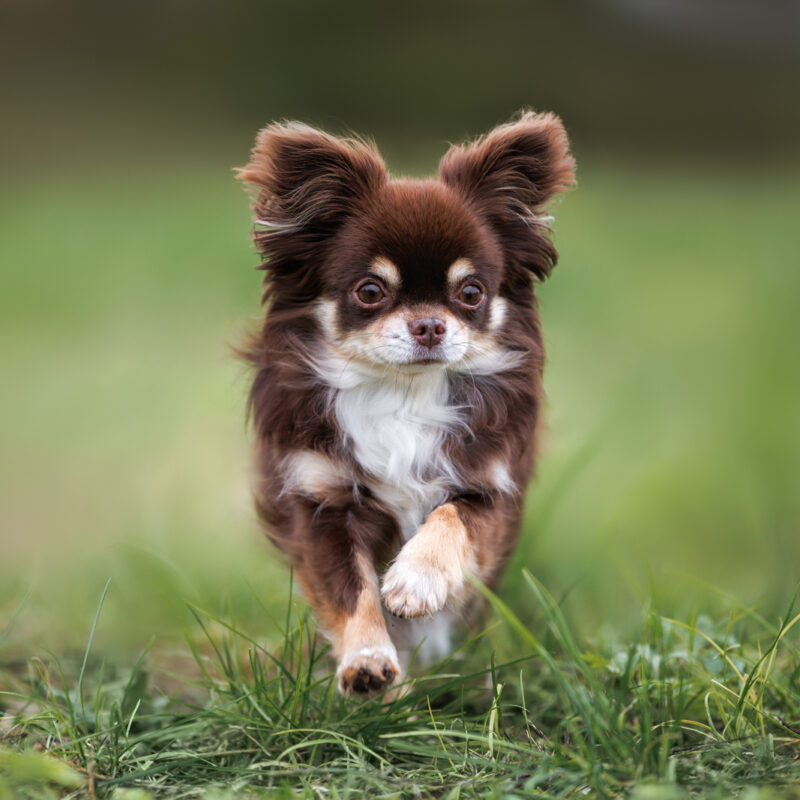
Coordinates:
x,y
387,272
459,269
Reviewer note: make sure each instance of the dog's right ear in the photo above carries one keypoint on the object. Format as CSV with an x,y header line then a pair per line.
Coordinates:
x,y
509,175
306,183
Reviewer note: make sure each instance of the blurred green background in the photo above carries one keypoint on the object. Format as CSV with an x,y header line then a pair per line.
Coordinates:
x,y
671,465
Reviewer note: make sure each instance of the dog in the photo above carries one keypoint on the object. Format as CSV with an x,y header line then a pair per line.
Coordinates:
x,y
398,376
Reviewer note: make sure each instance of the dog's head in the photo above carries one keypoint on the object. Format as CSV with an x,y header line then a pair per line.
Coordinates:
x,y
413,275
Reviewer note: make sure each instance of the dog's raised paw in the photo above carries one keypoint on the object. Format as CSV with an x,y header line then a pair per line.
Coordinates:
x,y
409,590
367,671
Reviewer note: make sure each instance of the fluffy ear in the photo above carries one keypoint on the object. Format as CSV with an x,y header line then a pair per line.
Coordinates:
x,y
508,175
306,183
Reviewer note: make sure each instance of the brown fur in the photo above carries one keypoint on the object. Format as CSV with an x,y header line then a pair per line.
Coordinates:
x,y
326,209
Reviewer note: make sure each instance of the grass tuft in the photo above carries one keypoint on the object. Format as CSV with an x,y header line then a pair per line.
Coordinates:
x,y
685,707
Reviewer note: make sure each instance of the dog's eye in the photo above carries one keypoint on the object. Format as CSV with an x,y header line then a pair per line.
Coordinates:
x,y
369,293
471,295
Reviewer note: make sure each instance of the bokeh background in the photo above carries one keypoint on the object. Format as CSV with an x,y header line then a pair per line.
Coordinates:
x,y
671,465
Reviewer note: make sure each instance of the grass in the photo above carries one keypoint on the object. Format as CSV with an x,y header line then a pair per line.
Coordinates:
x,y
664,519
704,706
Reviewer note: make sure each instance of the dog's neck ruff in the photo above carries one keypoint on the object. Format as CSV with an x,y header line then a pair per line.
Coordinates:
x,y
394,425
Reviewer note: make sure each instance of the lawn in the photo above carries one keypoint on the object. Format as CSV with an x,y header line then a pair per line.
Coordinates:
x,y
645,641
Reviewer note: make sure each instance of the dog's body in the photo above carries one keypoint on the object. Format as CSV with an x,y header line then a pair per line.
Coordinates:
x,y
398,375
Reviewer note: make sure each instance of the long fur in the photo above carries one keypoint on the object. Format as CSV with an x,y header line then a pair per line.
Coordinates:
x,y
367,457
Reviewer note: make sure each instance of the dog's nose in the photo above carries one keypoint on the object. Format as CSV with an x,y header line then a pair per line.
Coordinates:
x,y
427,332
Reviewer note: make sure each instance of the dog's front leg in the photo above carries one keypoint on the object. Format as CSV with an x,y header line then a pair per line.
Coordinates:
x,y
339,580
432,566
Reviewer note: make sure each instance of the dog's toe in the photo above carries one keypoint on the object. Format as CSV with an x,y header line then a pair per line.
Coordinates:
x,y
367,672
413,592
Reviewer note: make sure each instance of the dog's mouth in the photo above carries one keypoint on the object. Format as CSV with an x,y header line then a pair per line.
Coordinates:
x,y
405,359
428,356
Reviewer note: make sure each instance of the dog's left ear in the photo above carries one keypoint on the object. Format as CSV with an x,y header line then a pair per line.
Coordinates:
x,y
305,177
508,175
306,184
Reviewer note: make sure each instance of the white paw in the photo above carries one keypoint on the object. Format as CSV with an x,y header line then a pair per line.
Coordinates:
x,y
412,588
368,670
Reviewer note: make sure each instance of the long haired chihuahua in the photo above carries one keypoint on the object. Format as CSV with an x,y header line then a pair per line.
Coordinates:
x,y
398,376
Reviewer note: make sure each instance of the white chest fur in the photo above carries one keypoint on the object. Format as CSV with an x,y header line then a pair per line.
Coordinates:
x,y
396,425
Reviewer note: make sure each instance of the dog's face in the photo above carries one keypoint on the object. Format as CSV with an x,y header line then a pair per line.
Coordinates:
x,y
412,281
401,274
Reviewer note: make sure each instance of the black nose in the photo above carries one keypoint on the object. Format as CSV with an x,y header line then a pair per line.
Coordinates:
x,y
427,332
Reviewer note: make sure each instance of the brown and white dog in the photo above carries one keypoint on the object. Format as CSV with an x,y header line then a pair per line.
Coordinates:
x,y
398,375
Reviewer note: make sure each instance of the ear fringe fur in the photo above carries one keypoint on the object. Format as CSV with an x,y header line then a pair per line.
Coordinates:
x,y
528,158
508,175
304,183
